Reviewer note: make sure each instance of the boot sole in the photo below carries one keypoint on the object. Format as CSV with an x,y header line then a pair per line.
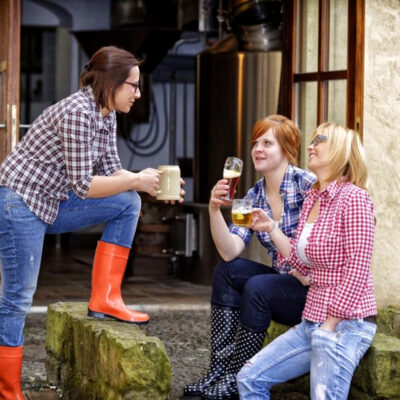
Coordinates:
x,y
99,315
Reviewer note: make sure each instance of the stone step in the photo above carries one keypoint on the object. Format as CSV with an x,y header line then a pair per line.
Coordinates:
x,y
93,359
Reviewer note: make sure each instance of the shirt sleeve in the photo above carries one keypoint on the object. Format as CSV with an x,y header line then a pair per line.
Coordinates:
x,y
76,135
359,230
110,162
293,260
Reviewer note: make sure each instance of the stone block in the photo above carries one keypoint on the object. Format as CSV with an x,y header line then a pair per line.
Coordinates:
x,y
94,359
389,321
378,375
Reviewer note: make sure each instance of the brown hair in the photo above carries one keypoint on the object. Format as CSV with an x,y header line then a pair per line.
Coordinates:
x,y
286,132
106,71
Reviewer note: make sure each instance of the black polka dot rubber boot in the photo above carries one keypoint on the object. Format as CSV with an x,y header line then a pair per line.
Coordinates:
x,y
248,343
224,325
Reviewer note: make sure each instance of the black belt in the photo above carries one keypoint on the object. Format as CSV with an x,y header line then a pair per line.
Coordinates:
x,y
371,318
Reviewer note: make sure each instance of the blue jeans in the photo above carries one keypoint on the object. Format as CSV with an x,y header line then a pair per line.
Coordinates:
x,y
330,357
21,243
259,292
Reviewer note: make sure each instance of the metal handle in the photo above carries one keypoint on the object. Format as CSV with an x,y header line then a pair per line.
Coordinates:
x,y
13,126
27,126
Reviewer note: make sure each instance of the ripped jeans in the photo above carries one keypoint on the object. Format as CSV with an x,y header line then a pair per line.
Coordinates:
x,y
330,357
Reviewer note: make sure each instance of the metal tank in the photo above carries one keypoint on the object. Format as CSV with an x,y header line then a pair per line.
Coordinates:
x,y
237,83
234,89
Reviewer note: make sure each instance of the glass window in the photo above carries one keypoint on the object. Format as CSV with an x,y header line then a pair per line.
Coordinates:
x,y
306,115
307,56
338,22
337,101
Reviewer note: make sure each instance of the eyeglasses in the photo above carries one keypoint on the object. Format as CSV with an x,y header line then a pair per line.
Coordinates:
x,y
135,86
318,139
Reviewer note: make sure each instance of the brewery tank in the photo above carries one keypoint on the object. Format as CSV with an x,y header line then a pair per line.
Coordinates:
x,y
238,82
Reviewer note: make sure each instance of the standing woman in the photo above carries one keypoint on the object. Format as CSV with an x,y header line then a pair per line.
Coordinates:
x,y
333,247
247,295
64,175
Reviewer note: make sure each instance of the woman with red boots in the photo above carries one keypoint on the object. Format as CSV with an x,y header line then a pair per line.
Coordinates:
x,y
48,185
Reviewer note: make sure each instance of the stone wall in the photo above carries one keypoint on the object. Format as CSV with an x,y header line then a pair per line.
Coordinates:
x,y
382,140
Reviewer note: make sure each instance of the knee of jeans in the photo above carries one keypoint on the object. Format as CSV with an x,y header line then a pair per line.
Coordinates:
x,y
254,288
16,305
130,201
220,271
243,379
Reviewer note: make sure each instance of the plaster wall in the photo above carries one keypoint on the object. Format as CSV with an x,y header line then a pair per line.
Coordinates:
x,y
381,140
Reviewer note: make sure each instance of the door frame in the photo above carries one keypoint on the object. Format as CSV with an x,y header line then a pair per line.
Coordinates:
x,y
10,50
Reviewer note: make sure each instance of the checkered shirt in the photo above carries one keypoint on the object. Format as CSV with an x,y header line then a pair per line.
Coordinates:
x,y
340,250
294,186
65,145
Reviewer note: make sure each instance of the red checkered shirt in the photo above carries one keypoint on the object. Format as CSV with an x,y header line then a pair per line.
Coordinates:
x,y
66,145
340,250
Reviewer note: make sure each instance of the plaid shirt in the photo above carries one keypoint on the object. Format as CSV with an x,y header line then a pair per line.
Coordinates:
x,y
340,249
293,190
65,144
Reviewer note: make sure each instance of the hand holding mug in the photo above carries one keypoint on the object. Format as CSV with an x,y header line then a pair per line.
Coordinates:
x,y
149,181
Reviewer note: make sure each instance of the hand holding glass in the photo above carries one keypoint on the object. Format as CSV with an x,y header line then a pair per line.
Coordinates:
x,y
232,171
242,212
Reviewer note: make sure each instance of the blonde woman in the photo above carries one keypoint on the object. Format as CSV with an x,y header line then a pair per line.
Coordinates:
x,y
332,250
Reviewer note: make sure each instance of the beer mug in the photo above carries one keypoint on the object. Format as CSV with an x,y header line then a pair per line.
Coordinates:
x,y
242,212
170,182
232,170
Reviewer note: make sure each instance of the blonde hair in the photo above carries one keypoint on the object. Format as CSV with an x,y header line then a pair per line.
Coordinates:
x,y
346,154
286,132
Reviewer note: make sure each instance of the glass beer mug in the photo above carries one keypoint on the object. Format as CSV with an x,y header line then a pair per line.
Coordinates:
x,y
232,171
242,212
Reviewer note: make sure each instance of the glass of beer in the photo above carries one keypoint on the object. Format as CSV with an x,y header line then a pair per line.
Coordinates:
x,y
232,170
242,212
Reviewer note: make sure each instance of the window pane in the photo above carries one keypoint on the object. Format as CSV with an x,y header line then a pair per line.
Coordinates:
x,y
306,115
307,46
338,21
337,101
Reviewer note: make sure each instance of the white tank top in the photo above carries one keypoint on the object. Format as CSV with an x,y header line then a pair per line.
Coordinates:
x,y
302,243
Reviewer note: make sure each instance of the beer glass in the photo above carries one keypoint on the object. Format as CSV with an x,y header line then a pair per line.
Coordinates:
x,y
242,212
232,170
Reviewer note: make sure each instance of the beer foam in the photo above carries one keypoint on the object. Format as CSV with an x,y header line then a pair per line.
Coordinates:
x,y
230,174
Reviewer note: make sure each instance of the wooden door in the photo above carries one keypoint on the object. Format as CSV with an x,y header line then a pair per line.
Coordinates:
x,y
10,27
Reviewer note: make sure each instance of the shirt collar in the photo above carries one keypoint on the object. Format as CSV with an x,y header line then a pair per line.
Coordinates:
x,y
331,190
288,185
107,121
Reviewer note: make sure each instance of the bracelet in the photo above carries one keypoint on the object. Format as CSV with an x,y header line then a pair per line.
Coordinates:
x,y
273,227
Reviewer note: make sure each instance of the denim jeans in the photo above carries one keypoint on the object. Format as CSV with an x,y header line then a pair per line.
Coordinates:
x,y
21,243
259,292
330,357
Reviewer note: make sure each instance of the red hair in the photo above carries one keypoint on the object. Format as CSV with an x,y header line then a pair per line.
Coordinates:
x,y
286,132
